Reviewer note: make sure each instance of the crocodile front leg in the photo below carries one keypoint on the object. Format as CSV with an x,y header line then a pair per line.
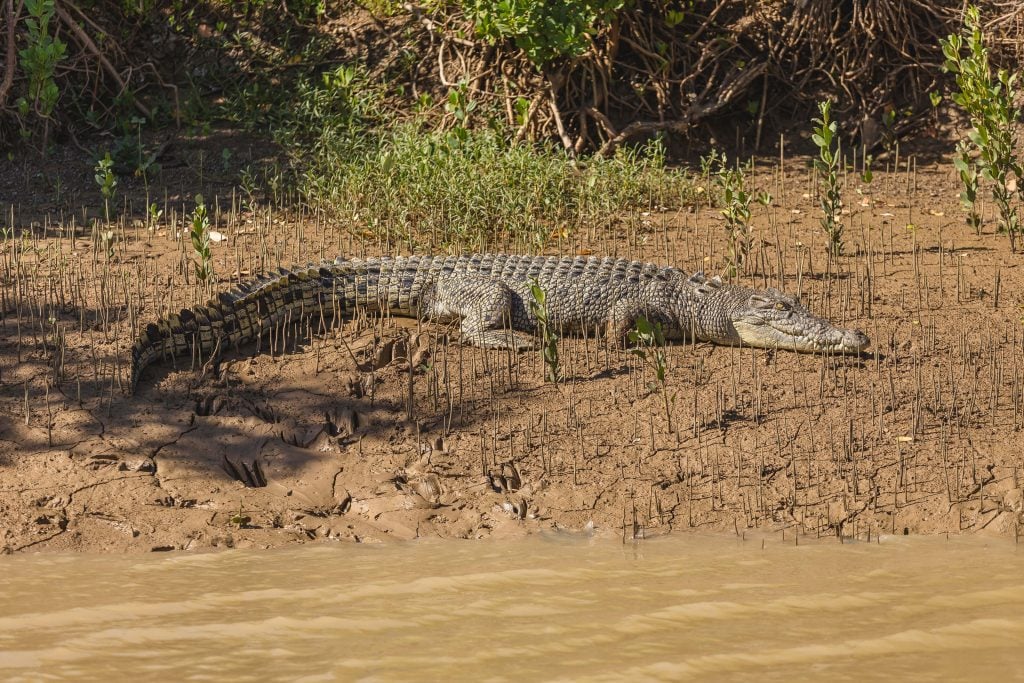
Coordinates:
x,y
485,306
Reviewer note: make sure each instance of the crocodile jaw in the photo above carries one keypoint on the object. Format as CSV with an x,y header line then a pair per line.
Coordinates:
x,y
807,333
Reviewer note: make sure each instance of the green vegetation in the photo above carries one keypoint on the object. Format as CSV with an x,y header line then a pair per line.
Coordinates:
x,y
485,142
414,184
735,199
587,74
153,215
200,234
240,519
867,175
989,101
968,172
409,181
549,352
545,30
827,168
106,180
39,60
463,182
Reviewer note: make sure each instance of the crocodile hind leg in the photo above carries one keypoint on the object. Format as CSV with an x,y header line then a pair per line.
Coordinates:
x,y
485,306
624,314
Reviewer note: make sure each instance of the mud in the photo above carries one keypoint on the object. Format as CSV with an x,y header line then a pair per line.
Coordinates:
x,y
386,428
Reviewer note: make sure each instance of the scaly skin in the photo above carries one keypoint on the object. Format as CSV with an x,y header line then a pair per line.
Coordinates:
x,y
490,294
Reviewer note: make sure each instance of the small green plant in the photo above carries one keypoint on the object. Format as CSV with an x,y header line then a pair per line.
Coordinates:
x,y
648,341
935,97
39,60
129,152
969,179
106,239
200,234
106,180
460,107
153,215
707,168
383,8
240,519
989,102
736,199
539,309
867,175
736,211
826,166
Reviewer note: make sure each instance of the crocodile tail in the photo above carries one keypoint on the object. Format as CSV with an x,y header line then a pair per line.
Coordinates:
x,y
235,317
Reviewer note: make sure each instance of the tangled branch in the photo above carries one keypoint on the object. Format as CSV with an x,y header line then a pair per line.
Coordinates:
x,y
649,71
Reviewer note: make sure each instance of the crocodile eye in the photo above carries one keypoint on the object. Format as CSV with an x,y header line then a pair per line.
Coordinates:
x,y
780,306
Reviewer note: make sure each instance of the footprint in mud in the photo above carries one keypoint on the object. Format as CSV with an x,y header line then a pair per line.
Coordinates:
x,y
318,439
342,422
210,405
385,354
515,508
263,411
341,504
412,348
426,487
355,385
338,424
175,502
508,479
249,472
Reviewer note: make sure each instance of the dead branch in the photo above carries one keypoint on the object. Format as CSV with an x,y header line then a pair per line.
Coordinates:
x,y
560,127
11,16
725,94
87,44
530,113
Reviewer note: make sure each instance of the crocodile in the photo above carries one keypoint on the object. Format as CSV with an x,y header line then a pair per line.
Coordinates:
x,y
491,294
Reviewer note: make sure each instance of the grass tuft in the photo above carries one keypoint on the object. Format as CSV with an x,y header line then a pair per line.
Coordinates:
x,y
411,183
407,180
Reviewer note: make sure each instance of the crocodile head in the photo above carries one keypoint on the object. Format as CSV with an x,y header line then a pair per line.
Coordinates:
x,y
770,319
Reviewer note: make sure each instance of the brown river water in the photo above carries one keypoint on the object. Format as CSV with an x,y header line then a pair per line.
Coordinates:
x,y
543,608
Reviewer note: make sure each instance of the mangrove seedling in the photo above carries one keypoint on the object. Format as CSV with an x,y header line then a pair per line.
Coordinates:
x,y
826,166
200,234
538,304
990,103
106,180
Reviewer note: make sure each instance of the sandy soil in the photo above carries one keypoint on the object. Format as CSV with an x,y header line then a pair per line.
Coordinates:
x,y
380,429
